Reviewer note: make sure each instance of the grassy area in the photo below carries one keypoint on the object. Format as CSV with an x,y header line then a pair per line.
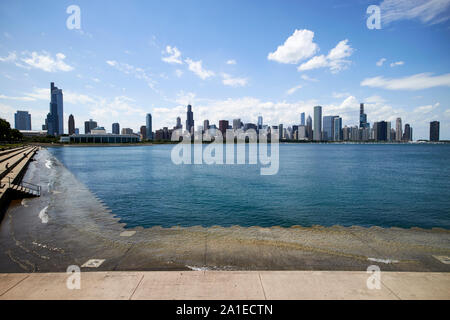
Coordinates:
x,y
9,146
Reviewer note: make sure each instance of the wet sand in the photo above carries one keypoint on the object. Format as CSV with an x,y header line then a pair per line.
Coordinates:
x,y
69,225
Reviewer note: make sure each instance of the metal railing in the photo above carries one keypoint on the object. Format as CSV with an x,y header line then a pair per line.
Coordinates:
x,y
33,187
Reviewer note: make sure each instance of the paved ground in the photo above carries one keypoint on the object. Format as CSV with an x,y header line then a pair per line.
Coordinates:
x,y
226,285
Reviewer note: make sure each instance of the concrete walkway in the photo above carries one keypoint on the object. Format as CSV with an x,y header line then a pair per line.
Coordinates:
x,y
226,285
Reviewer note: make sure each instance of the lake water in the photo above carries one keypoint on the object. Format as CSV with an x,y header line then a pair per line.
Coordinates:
x,y
317,184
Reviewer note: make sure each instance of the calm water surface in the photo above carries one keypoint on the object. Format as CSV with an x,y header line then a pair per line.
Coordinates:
x,y
366,185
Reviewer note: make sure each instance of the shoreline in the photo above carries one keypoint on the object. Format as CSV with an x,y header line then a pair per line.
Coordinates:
x,y
69,225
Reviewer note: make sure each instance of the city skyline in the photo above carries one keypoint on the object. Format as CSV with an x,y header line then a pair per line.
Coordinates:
x,y
326,128
120,72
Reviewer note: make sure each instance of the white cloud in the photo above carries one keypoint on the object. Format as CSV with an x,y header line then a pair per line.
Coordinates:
x,y
414,82
426,11
46,62
233,82
381,61
398,63
174,55
231,62
138,73
335,60
12,56
2,96
297,47
179,73
293,90
340,95
307,78
426,109
197,68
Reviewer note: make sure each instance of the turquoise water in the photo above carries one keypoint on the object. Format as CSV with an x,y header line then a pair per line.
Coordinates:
x,y
317,184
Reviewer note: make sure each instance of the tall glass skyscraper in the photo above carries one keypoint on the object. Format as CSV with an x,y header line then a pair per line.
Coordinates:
x,y
260,122
434,131
302,119
190,120
71,125
309,130
317,123
148,127
55,125
22,120
337,129
328,127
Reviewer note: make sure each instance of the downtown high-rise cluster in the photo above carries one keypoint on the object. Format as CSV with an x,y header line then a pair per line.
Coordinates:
x,y
317,129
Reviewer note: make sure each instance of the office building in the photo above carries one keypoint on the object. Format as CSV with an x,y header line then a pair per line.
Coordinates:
x,y
317,123
434,131
309,130
205,125
148,127
22,120
362,117
71,125
116,128
328,128
398,130
302,119
223,126
190,120
407,134
260,122
89,125
301,132
178,125
143,131
127,131
237,124
54,121
337,129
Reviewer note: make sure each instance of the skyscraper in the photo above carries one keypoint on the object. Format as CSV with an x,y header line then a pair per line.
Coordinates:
x,y
362,117
237,124
205,125
317,123
148,127
143,132
328,127
22,120
434,131
71,125
309,130
89,125
116,128
260,122
302,119
381,130
190,120
407,135
55,125
398,130
337,129
179,125
223,126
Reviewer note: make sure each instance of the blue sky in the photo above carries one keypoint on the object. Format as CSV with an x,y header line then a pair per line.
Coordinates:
x,y
229,59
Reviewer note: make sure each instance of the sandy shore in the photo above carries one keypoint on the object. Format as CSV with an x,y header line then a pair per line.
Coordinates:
x,y
69,225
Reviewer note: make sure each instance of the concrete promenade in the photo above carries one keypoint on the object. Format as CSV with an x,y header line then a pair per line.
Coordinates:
x,y
226,285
